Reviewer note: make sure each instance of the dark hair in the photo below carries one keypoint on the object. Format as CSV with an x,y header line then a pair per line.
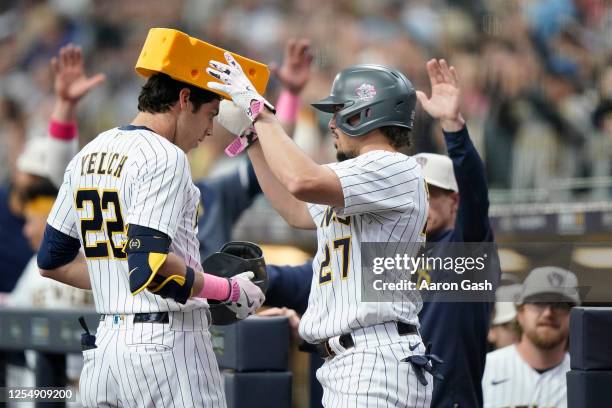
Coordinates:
x,y
397,136
161,92
38,187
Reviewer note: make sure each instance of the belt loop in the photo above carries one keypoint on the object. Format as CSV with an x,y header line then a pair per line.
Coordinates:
x,y
335,346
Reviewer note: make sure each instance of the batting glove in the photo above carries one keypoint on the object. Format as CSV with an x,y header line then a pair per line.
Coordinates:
x,y
238,86
242,142
232,118
245,296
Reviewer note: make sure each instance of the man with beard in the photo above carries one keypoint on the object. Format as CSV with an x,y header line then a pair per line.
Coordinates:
x,y
373,194
532,372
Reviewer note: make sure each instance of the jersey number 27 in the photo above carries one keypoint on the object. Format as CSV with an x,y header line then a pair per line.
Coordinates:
x,y
325,271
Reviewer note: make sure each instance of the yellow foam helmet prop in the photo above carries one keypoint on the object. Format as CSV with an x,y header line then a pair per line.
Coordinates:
x,y
186,58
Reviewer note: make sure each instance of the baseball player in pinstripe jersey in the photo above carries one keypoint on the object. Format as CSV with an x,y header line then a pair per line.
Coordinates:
x,y
128,199
532,372
374,194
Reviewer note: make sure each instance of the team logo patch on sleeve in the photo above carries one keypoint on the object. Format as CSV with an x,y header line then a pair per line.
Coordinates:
x,y
134,243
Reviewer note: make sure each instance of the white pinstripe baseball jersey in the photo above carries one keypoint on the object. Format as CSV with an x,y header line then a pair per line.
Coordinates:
x,y
508,381
385,201
128,175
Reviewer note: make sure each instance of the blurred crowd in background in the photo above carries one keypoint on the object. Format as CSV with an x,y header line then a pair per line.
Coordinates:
x,y
536,74
536,77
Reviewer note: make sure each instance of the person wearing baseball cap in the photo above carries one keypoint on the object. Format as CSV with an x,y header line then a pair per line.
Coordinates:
x,y
458,213
504,330
532,372
443,192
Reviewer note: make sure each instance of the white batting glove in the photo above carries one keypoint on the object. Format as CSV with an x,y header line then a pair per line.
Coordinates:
x,y
245,296
238,86
232,118
236,122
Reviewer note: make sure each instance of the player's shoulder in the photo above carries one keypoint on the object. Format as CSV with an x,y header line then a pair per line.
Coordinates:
x,y
502,355
100,139
376,160
149,141
149,144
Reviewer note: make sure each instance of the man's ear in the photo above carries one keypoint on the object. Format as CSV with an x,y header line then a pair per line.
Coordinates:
x,y
455,198
184,102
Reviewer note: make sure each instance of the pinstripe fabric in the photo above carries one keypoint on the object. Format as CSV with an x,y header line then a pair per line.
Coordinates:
x,y
161,365
153,365
155,190
372,375
386,201
508,381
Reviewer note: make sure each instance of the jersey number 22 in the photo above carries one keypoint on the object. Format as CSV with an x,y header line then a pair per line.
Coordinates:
x,y
100,204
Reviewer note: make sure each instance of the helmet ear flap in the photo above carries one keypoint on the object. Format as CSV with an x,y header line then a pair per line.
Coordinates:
x,y
352,127
364,116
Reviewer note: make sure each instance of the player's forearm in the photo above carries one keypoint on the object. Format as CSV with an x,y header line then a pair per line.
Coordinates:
x,y
63,139
453,124
288,127
286,160
73,273
216,288
290,208
295,170
472,214
175,265
64,111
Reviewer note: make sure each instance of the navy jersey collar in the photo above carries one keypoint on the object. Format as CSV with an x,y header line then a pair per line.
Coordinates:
x,y
134,127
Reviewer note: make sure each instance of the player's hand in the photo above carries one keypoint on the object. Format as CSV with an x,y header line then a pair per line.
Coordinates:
x,y
237,85
232,118
445,95
71,83
292,316
295,71
245,297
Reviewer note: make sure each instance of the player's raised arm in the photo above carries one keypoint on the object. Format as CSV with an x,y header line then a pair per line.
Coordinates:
x,y
472,213
293,75
297,173
444,101
71,84
59,257
293,210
